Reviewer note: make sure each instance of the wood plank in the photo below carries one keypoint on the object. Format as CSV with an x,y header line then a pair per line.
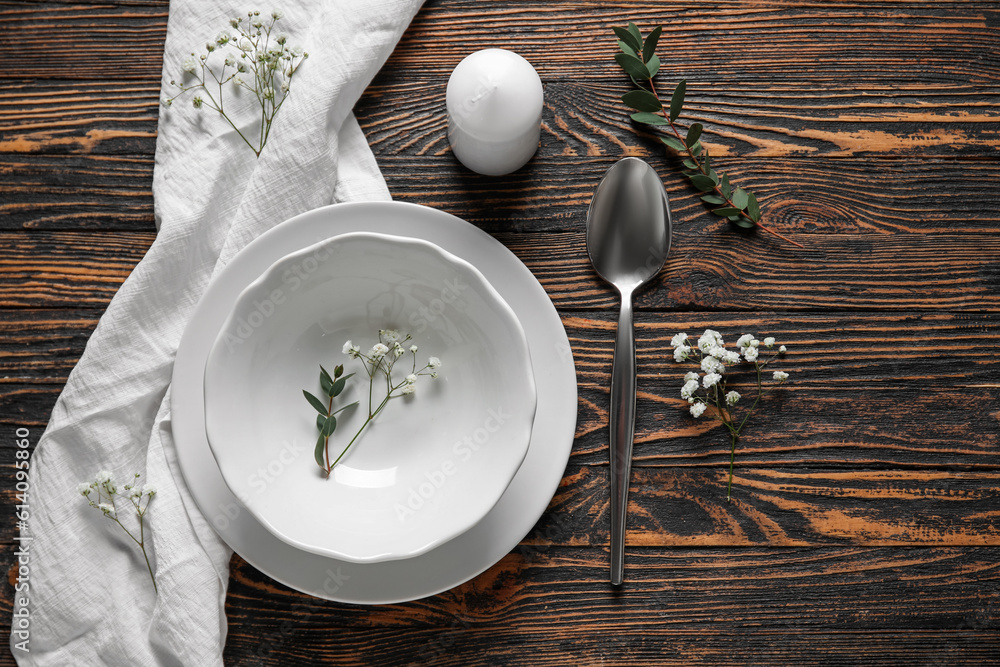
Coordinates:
x,y
84,192
710,268
667,591
406,116
461,643
805,195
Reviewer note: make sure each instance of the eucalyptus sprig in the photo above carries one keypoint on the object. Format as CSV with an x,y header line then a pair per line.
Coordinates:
x,y
326,420
639,60
252,60
379,363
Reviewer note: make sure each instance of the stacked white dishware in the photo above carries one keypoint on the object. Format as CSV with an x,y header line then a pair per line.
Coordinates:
x,y
438,488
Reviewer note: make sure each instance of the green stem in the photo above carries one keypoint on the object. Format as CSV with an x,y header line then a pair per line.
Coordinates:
x,y
732,458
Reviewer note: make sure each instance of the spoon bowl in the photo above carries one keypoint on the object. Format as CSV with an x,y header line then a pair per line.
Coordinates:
x,y
628,237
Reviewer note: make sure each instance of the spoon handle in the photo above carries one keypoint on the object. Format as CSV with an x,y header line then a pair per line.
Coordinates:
x,y
622,430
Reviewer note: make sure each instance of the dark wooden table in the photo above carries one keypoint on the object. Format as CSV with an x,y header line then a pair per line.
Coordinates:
x,y
866,522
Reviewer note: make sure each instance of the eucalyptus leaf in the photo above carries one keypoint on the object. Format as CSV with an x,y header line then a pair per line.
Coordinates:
x,y
712,199
339,385
677,100
697,149
740,198
753,208
315,402
649,48
627,37
330,426
693,133
320,451
633,30
726,212
702,182
653,65
742,222
724,185
649,118
320,422
691,164
642,100
326,383
338,370
673,143
633,66
627,49
714,176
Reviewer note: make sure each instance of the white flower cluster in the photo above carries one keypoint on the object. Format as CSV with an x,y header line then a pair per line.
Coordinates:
x,y
383,355
100,493
710,352
253,59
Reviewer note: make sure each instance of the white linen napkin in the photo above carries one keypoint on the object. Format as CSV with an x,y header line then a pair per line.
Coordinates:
x,y
90,600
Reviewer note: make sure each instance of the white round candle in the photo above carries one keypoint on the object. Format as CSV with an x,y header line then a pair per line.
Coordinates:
x,y
494,104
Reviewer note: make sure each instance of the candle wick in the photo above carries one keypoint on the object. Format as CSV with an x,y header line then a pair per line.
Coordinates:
x,y
486,89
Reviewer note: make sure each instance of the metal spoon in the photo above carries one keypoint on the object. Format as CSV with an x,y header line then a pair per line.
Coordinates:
x,y
628,238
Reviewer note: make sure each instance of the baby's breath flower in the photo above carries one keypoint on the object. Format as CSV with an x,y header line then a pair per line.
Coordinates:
x,y
104,477
780,376
434,375
678,340
717,351
284,86
378,351
351,350
241,67
697,410
277,14
237,80
135,492
744,340
755,343
407,389
782,349
681,353
197,102
769,341
246,45
281,38
83,488
209,46
411,379
107,508
690,376
731,358
711,365
750,353
296,51
710,380
689,388
257,23
398,350
733,397
413,349
434,362
149,490
222,38
708,340
189,65
230,61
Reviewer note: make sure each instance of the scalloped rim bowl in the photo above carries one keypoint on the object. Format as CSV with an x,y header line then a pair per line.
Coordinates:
x,y
432,464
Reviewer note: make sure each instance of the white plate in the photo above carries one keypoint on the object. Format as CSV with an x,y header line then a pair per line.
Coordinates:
x,y
433,463
456,561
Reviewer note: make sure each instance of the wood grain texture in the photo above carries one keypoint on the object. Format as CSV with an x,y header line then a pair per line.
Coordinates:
x,y
65,192
864,527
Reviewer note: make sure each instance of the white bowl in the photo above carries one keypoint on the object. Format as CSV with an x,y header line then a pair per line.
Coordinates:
x,y
431,464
